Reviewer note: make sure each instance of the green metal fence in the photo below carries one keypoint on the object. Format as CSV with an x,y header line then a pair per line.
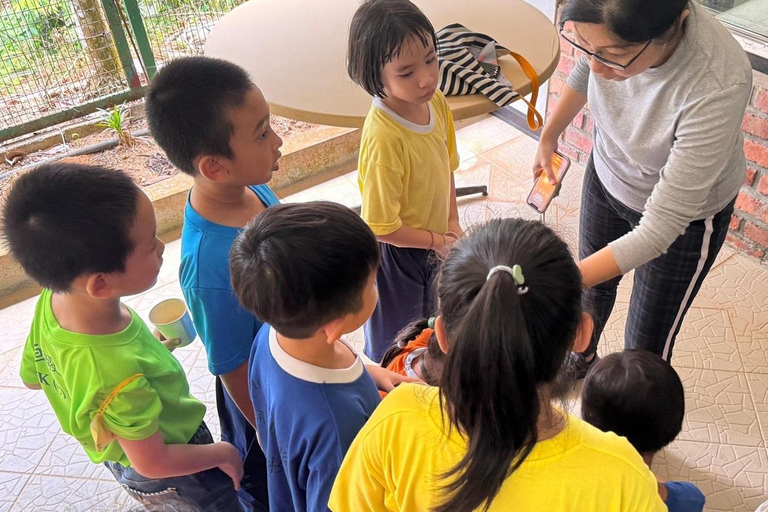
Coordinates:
x,y
60,59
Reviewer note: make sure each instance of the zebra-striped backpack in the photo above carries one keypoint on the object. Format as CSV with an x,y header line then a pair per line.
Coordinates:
x,y
462,73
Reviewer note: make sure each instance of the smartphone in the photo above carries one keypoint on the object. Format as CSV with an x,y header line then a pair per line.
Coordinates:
x,y
543,191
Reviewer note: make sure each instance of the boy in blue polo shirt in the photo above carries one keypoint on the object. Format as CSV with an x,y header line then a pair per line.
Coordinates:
x,y
213,123
308,271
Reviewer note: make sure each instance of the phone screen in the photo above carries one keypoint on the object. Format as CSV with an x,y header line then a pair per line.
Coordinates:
x,y
543,191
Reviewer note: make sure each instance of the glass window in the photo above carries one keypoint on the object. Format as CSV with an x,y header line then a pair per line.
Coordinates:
x,y
750,16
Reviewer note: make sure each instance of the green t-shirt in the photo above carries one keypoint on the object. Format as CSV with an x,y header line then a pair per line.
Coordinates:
x,y
78,371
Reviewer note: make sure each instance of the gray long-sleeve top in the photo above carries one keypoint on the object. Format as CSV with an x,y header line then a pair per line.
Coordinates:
x,y
668,142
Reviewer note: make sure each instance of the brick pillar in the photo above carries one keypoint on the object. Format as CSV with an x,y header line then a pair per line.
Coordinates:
x,y
749,227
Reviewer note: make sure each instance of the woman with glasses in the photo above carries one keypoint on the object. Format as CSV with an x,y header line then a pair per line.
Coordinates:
x,y
667,86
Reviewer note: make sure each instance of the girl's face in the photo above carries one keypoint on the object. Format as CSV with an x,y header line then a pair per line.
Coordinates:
x,y
411,77
597,39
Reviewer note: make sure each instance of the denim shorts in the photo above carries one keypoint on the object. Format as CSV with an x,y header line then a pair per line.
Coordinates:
x,y
210,490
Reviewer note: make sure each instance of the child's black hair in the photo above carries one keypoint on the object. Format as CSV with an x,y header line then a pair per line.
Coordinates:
x,y
189,106
505,340
635,394
64,220
299,266
634,21
434,354
377,34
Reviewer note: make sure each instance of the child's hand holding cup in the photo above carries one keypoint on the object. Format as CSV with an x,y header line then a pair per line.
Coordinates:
x,y
173,322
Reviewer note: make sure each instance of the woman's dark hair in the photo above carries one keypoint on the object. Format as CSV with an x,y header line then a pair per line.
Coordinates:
x,y
376,36
637,395
503,346
634,21
434,354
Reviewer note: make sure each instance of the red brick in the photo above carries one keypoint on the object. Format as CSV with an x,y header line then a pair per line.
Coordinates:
x,y
762,187
756,233
750,178
744,246
735,223
752,206
579,140
565,47
761,101
570,151
756,125
566,64
551,104
756,152
556,84
578,121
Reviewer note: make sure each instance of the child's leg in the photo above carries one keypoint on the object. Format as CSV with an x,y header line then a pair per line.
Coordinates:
x,y
236,430
207,491
402,281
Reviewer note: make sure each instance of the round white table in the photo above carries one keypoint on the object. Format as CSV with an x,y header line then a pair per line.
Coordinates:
x,y
295,51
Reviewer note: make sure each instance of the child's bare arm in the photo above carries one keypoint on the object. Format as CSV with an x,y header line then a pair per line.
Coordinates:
x,y
152,458
236,383
453,217
406,236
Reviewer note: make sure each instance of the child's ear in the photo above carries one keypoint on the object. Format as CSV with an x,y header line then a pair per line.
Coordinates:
x,y
212,168
442,336
98,285
584,333
334,329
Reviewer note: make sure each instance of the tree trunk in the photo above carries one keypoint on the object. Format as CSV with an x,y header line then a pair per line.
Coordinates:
x,y
102,54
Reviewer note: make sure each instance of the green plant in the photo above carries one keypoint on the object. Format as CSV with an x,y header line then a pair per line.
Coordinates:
x,y
116,120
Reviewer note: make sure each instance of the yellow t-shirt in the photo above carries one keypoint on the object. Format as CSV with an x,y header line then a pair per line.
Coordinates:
x,y
405,168
395,463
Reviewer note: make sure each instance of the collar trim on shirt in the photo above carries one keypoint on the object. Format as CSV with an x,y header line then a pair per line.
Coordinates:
x,y
418,128
310,372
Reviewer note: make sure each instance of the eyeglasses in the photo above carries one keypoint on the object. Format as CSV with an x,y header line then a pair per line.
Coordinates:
x,y
569,36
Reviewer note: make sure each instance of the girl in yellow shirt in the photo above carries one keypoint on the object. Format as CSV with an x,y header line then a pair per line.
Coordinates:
x,y
489,438
407,158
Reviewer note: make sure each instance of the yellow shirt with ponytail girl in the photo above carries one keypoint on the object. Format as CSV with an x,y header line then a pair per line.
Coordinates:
x,y
396,462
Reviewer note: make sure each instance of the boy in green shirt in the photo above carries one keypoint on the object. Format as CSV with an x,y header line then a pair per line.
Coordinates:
x,y
88,236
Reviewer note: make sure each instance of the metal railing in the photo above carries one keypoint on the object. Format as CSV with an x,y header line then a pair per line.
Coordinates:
x,y
61,59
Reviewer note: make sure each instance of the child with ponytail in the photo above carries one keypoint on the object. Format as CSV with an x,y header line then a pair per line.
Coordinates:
x,y
489,437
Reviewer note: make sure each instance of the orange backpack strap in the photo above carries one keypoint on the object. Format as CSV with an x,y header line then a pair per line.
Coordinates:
x,y
101,435
535,121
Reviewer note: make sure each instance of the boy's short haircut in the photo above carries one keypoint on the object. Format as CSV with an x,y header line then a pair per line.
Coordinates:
x,y
635,394
189,104
378,31
299,266
64,220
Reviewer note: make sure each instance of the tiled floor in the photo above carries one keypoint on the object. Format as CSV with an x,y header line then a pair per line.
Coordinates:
x,y
721,355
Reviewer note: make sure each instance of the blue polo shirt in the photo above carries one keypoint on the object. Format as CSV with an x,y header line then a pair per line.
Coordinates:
x,y
307,417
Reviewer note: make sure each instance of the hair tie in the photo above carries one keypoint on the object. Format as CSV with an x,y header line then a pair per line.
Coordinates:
x,y
517,274
431,322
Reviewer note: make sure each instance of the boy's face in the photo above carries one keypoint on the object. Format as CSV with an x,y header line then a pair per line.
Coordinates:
x,y
254,145
143,263
411,77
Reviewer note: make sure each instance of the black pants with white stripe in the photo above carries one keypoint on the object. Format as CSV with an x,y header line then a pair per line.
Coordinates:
x,y
664,288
